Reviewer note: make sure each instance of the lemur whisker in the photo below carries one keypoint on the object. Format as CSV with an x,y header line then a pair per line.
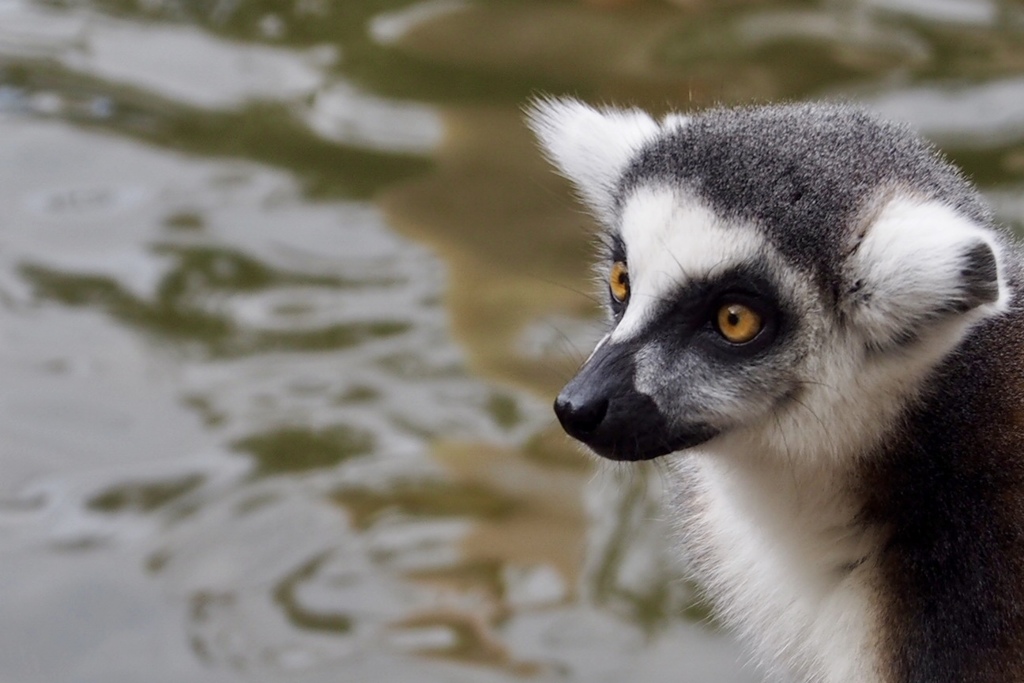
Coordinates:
x,y
569,288
684,276
575,353
812,383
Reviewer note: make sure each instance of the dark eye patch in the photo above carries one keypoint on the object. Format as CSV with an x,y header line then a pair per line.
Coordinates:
x,y
612,247
614,252
688,317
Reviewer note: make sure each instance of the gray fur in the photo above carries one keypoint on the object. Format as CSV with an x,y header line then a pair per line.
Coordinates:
x,y
814,167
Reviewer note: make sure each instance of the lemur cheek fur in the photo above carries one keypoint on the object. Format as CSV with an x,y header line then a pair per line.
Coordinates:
x,y
821,332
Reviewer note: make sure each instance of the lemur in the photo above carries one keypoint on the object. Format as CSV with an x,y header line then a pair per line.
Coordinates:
x,y
816,324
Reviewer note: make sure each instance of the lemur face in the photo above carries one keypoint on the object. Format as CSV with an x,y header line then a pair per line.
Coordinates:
x,y
763,269
706,333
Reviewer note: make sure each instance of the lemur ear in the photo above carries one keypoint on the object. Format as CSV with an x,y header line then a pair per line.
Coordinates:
x,y
591,147
919,262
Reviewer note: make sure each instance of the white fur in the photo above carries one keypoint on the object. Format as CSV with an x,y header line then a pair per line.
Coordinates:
x,y
592,147
674,120
910,261
671,239
769,543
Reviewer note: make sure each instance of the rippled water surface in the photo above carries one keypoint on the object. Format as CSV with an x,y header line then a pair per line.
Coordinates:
x,y
286,291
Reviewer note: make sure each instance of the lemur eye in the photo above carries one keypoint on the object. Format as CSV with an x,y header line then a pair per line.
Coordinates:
x,y
618,282
738,323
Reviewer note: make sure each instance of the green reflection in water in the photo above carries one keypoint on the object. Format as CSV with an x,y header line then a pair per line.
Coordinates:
x,y
302,617
185,220
263,132
299,449
358,394
651,609
330,338
382,68
143,496
211,416
198,276
269,133
162,317
504,410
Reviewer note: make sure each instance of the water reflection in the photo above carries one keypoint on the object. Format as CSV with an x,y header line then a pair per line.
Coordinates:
x,y
268,348
194,298
283,314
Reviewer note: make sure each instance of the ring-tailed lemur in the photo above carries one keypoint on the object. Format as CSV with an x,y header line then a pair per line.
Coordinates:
x,y
815,321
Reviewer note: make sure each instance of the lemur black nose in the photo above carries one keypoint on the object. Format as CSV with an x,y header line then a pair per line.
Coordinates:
x,y
580,416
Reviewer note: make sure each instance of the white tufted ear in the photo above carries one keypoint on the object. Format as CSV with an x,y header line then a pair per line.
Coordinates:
x,y
917,263
590,147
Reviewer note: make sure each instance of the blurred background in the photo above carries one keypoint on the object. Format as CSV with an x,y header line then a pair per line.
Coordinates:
x,y
286,291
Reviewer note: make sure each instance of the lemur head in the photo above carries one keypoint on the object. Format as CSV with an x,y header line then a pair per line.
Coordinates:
x,y
785,276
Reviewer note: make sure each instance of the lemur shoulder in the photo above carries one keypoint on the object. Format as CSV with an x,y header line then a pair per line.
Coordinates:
x,y
816,323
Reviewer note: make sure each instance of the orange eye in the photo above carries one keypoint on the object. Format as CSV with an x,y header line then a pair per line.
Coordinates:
x,y
618,281
738,323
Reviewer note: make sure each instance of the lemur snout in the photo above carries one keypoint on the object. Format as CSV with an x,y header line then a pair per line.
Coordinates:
x,y
580,416
602,407
583,404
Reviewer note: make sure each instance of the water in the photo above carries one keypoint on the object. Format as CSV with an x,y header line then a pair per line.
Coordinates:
x,y
285,293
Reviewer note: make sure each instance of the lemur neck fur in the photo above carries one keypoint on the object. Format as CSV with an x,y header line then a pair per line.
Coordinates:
x,y
779,546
